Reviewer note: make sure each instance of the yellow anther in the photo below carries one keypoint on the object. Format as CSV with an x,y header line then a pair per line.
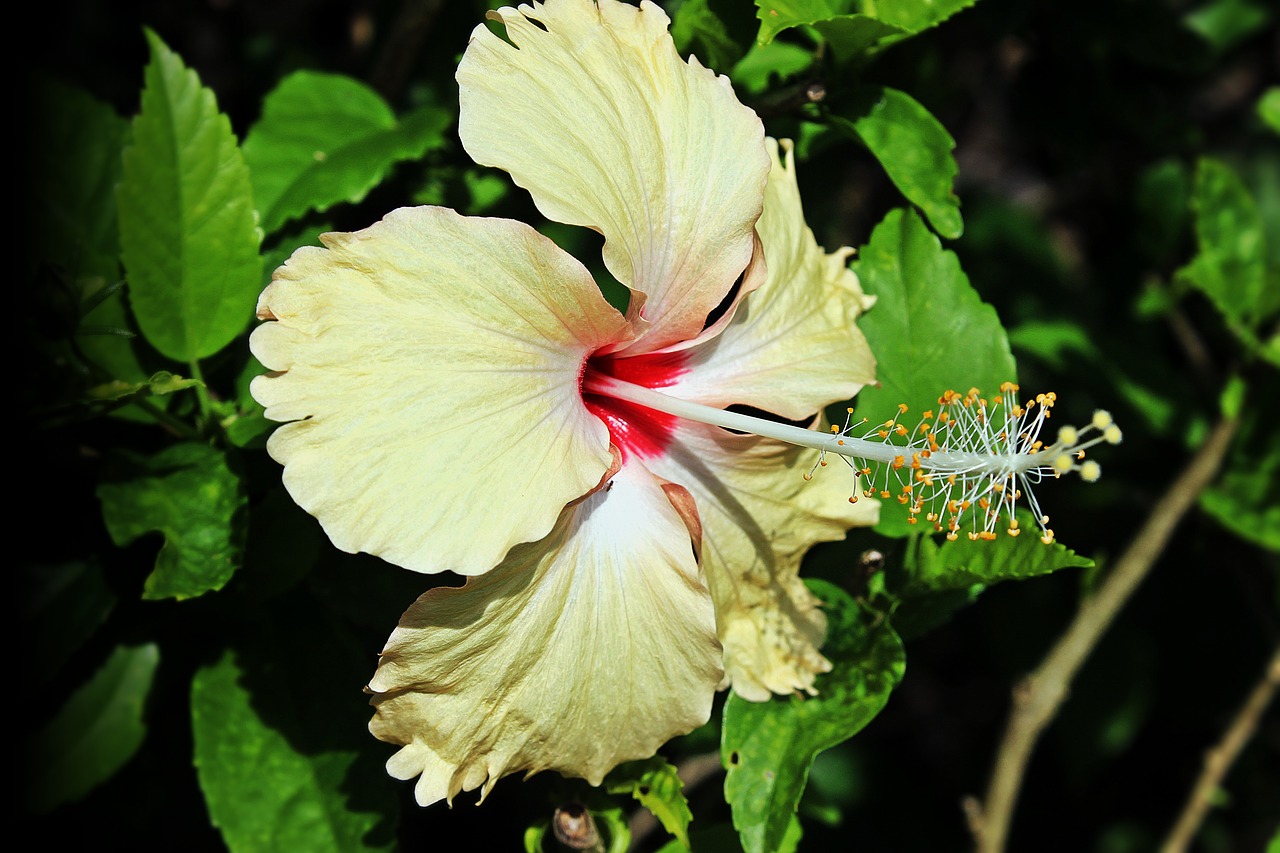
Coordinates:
x,y
1013,531
849,410
902,408
951,537
900,430
897,462
835,429
885,494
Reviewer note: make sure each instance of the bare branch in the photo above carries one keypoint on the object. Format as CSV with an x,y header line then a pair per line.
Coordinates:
x,y
1218,760
1037,697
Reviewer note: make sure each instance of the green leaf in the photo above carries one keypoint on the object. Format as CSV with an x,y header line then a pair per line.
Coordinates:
x,y
769,746
280,741
1230,268
1246,498
656,785
930,567
325,139
697,29
190,495
76,143
62,606
1226,23
1269,108
912,146
854,26
754,71
929,329
188,232
94,734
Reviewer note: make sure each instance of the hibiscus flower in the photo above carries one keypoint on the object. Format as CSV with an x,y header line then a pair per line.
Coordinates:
x,y
454,390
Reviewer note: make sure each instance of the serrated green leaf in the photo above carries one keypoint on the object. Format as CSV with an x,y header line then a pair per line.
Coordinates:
x,y
62,606
912,146
655,783
1269,108
188,231
852,35
769,746
190,495
280,743
861,24
325,139
1230,268
930,330
1246,498
94,734
931,567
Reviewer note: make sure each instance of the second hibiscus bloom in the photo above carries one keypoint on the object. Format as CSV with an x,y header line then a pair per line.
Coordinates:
x,y
446,386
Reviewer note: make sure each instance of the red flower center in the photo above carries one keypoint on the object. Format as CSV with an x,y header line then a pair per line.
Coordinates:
x,y
633,428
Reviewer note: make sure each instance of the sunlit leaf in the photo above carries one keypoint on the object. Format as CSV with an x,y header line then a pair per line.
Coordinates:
x,y
762,62
191,496
188,232
280,743
769,746
912,146
655,784
94,734
327,138
855,25
929,329
161,383
1230,268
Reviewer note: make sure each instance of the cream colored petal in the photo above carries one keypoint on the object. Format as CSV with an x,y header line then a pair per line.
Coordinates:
x,y
587,649
793,346
594,112
429,365
759,516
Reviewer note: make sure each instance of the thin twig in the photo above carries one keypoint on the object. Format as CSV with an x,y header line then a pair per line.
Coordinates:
x,y
1218,760
1037,697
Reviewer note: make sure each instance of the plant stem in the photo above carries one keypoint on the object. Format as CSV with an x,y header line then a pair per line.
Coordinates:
x,y
1037,698
202,394
1218,760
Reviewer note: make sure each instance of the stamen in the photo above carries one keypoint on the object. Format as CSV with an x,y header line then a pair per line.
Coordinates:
x,y
974,453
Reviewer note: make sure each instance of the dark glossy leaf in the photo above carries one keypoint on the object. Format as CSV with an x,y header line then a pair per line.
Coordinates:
x,y
698,29
769,746
189,494
912,146
327,138
188,232
62,606
94,734
76,143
